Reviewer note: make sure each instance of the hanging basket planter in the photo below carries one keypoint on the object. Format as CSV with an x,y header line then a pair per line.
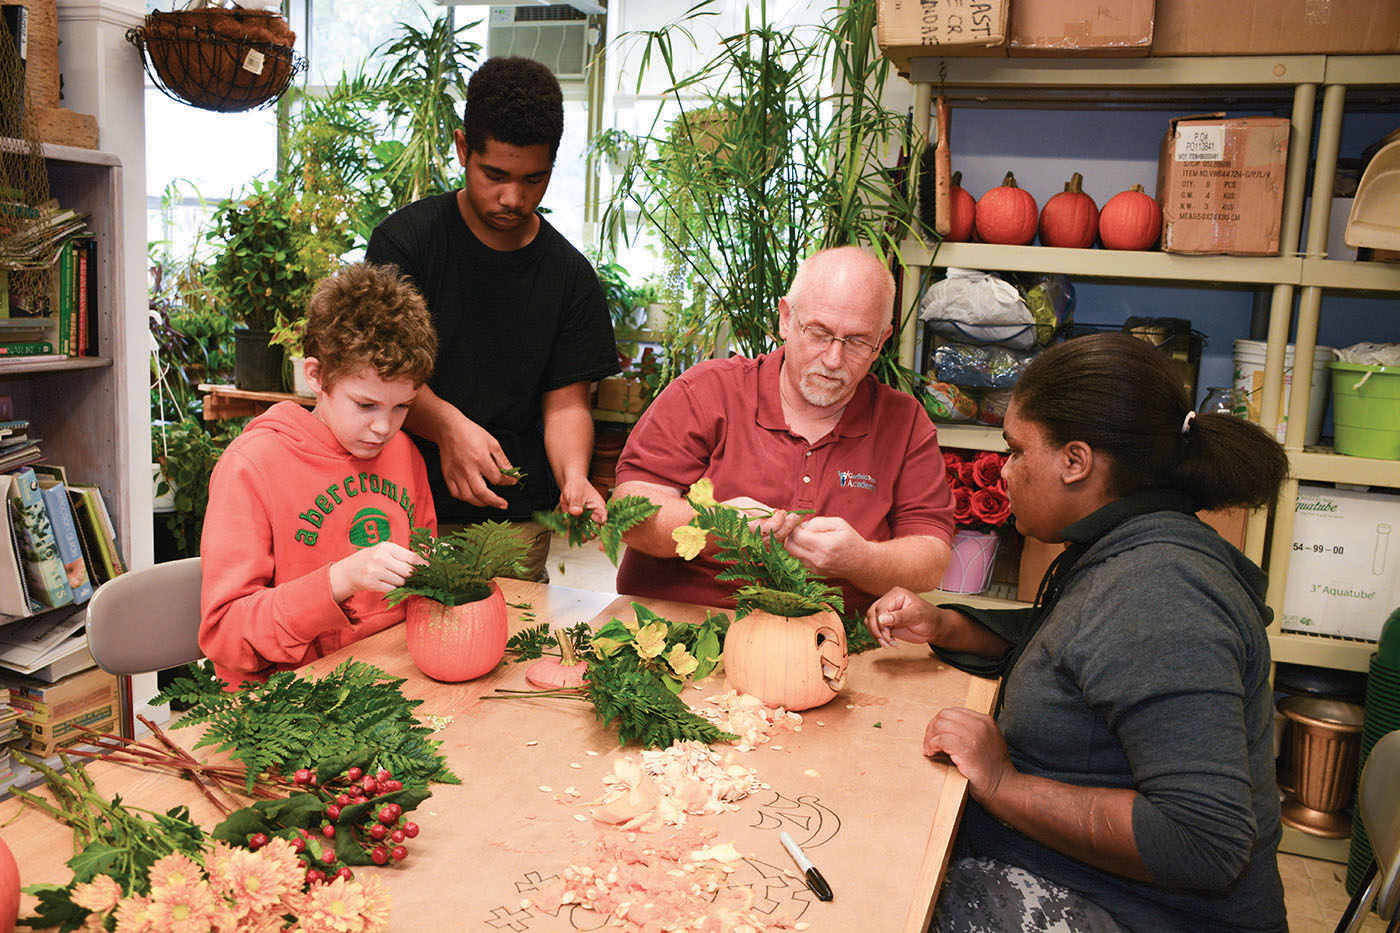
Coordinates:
x,y
226,60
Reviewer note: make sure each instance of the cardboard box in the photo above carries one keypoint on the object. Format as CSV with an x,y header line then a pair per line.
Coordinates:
x,y
912,28
1344,569
618,394
1116,28
1220,183
1276,27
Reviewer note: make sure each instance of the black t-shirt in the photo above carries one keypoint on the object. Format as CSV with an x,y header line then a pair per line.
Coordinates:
x,y
511,326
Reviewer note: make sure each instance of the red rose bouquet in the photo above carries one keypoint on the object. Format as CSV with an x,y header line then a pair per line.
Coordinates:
x,y
979,492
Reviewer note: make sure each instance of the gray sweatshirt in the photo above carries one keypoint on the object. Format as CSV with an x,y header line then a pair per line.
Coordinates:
x,y
1150,670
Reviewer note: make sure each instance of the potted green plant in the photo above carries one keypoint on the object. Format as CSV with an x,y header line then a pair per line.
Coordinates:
x,y
455,615
787,645
289,336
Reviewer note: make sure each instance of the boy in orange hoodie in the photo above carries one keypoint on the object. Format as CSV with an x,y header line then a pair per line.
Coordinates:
x,y
310,512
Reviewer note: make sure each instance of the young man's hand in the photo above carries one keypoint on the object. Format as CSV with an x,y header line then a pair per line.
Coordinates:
x,y
472,461
377,569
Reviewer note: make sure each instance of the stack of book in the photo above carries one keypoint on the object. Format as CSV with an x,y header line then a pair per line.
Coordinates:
x,y
50,714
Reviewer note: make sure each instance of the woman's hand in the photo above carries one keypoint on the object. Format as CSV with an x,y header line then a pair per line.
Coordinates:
x,y
378,569
902,615
975,744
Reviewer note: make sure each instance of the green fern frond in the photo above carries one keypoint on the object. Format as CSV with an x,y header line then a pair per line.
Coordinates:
x,y
624,514
460,565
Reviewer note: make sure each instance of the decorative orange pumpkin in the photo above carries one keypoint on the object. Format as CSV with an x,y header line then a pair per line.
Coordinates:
x,y
1130,220
1006,214
456,643
793,662
1071,218
9,889
962,212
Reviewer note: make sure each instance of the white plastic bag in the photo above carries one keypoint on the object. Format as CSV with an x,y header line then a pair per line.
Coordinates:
x,y
977,307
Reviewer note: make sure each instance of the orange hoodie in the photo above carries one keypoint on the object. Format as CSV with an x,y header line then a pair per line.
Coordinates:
x,y
285,502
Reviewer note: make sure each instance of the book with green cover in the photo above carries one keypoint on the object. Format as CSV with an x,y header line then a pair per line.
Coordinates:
x,y
39,553
38,545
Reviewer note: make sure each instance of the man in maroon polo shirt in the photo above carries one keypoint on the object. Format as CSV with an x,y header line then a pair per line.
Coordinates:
x,y
805,427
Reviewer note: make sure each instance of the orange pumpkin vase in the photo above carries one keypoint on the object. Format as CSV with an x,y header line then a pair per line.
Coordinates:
x,y
1131,219
1071,218
9,889
1006,214
796,662
456,643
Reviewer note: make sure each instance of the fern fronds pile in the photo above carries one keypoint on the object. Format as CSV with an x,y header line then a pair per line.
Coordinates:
x,y
294,721
460,565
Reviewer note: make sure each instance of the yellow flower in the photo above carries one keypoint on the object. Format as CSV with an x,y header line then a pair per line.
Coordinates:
x,y
682,661
690,541
607,647
651,641
702,494
100,895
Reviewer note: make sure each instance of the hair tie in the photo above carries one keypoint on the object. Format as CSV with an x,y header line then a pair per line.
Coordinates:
x,y
1186,423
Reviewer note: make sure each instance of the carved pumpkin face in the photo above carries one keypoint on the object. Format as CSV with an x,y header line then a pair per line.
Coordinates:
x,y
796,663
456,643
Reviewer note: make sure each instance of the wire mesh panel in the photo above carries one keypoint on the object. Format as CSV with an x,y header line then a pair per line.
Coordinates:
x,y
224,60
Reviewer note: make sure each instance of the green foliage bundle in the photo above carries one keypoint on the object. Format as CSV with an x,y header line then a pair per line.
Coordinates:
x,y
295,721
109,838
774,581
636,669
460,565
624,514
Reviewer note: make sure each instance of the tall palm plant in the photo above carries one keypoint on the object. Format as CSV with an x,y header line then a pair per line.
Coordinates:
x,y
775,146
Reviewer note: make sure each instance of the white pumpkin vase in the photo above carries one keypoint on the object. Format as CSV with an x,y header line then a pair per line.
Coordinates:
x,y
456,643
796,662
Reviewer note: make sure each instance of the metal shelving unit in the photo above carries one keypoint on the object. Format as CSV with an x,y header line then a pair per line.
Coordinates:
x,y
1235,83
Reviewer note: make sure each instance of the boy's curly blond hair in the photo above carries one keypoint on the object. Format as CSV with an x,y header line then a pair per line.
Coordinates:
x,y
367,315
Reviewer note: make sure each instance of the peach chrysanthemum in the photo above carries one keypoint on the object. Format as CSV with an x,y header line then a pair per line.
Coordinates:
x,y
133,915
188,909
255,882
336,907
375,913
100,895
176,870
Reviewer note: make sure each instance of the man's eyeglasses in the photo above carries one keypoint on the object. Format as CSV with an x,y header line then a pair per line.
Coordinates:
x,y
858,347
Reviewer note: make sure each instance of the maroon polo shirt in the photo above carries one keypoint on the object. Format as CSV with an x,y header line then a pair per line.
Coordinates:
x,y
880,468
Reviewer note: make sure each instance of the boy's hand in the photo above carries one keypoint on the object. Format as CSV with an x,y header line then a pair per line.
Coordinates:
x,y
377,569
472,461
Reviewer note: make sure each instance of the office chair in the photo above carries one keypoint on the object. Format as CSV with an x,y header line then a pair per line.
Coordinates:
x,y
146,620
1378,800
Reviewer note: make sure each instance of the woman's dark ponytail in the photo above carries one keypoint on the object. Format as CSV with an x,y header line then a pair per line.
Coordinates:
x,y
1123,397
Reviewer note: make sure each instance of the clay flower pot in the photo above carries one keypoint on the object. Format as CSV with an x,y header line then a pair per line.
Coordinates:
x,y
793,662
456,643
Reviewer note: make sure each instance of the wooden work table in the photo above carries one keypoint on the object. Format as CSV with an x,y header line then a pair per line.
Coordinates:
x,y
852,788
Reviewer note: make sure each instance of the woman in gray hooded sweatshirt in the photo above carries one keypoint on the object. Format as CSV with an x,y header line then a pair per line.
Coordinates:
x,y
1127,780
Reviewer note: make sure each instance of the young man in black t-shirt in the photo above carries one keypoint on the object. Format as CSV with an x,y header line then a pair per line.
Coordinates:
x,y
523,328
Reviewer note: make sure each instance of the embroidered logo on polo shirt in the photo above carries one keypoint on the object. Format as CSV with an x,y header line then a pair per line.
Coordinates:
x,y
856,480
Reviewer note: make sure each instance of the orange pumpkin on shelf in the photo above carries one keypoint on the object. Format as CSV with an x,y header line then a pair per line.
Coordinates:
x,y
962,212
457,643
1130,220
796,662
1071,218
1006,214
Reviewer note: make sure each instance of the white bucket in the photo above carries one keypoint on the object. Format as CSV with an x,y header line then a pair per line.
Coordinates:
x,y
1249,375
